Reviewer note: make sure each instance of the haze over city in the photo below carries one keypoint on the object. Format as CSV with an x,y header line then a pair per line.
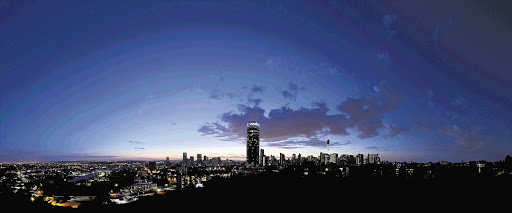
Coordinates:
x,y
422,81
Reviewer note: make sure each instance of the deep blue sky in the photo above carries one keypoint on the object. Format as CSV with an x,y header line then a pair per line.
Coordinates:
x,y
105,80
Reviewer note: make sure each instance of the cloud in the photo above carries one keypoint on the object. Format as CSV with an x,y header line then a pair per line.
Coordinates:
x,y
255,101
282,125
256,89
136,142
394,130
365,113
465,139
292,91
212,129
220,93
372,148
388,21
289,95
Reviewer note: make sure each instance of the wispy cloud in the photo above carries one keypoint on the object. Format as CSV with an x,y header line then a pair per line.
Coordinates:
x,y
292,91
466,139
388,21
257,89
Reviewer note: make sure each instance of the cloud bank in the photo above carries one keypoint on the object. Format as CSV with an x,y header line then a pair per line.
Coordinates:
x,y
284,125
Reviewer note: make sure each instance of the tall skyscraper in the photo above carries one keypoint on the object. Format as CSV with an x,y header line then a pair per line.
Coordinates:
x,y
253,142
184,157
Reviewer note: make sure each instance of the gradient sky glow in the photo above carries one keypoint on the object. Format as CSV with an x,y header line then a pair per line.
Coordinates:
x,y
112,80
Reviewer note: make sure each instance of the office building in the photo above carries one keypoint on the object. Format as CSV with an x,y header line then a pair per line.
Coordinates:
x,y
184,157
262,157
282,159
199,158
333,158
253,142
373,159
359,159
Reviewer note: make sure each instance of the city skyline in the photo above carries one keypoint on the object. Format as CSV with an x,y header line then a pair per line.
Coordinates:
x,y
424,81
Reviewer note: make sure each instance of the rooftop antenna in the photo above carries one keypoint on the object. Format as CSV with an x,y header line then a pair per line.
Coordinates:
x,y
328,141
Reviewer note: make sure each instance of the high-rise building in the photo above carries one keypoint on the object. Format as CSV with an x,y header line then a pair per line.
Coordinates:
x,y
373,159
262,157
333,158
253,142
199,158
282,159
324,158
359,159
184,157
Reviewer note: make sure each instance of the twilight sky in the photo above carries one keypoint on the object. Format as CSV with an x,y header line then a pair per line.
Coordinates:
x,y
111,80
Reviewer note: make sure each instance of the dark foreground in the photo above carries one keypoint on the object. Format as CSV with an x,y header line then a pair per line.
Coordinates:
x,y
286,190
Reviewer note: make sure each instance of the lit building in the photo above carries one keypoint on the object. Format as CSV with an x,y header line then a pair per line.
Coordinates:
x,y
253,142
359,159
262,157
281,159
373,159
324,158
333,158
